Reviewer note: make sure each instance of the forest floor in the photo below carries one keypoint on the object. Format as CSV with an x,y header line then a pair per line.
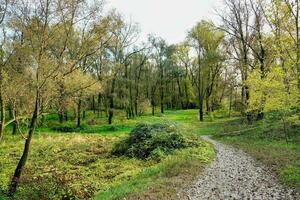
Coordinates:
x,y
77,162
69,161
236,175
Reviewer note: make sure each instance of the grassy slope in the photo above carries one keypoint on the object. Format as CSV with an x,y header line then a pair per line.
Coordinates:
x,y
80,163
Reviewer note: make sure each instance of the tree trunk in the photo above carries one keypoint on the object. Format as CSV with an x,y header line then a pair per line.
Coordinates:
x,y
187,99
79,113
16,177
180,93
136,99
161,90
83,114
60,117
162,106
15,123
208,108
201,110
93,105
111,102
2,115
153,110
230,102
66,116
99,111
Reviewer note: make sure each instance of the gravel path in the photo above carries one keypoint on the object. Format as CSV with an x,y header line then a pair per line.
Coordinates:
x,y
235,175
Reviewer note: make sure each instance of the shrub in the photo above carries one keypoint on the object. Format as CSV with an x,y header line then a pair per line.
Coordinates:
x,y
152,141
65,129
68,128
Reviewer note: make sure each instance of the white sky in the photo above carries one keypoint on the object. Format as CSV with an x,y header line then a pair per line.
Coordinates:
x,y
169,19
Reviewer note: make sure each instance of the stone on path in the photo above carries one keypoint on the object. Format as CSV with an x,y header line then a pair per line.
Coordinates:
x,y
235,175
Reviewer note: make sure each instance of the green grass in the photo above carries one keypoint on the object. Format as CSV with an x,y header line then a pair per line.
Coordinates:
x,y
177,166
80,163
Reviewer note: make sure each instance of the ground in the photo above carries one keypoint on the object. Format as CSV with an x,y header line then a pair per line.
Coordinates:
x,y
235,175
80,163
265,142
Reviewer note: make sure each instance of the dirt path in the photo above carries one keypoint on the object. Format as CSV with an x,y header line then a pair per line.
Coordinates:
x,y
235,175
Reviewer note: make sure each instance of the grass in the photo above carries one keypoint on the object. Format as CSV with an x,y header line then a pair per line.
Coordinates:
x,y
79,163
163,178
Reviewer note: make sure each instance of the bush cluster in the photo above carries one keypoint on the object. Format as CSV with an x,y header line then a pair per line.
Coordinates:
x,y
152,141
67,128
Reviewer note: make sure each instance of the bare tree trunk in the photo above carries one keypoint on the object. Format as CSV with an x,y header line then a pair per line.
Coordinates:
x,y
18,171
93,105
66,115
83,114
161,90
153,110
180,93
187,99
111,102
2,114
15,123
79,113
99,111
201,114
230,102
208,109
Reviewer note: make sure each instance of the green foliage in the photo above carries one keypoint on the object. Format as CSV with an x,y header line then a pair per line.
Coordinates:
x,y
152,141
271,94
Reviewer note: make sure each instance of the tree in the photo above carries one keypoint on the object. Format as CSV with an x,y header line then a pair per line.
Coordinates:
x,y
160,59
236,19
184,60
206,43
38,26
124,35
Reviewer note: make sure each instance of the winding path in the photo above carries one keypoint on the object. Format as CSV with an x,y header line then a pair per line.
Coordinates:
x,y
235,175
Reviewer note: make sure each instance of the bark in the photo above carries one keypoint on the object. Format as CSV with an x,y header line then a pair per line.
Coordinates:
x,y
180,93
99,111
111,102
83,114
153,109
230,102
79,113
187,99
161,90
15,123
61,106
93,105
201,114
208,108
66,115
18,171
2,115
131,113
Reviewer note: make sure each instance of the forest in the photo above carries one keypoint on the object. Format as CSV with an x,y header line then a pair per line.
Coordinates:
x,y
91,110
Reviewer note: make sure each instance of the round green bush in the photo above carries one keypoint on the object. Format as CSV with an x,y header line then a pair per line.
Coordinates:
x,y
152,141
